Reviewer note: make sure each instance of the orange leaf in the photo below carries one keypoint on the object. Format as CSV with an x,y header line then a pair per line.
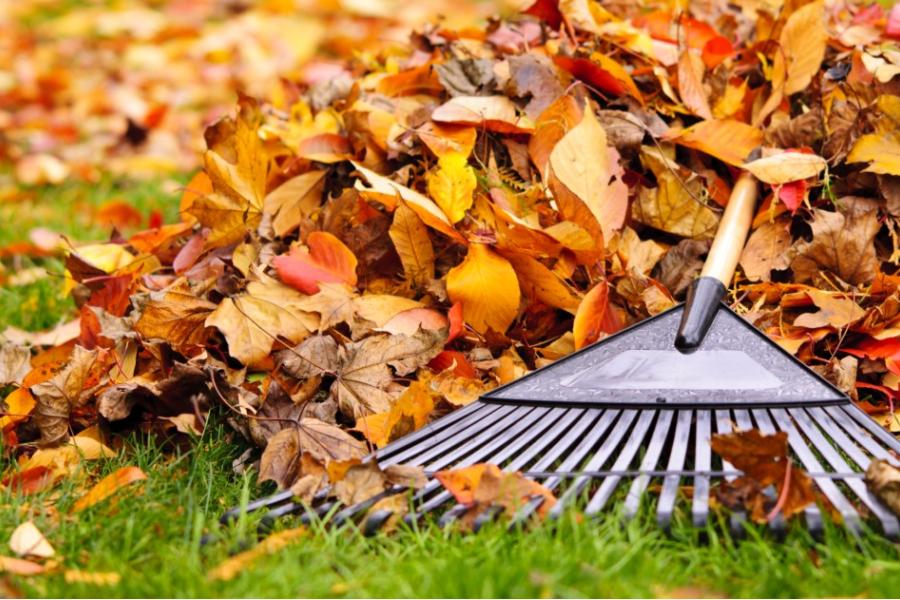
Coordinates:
x,y
455,360
327,260
728,140
595,316
118,214
19,405
108,486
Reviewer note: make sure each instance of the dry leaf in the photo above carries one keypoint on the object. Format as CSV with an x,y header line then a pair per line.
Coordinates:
x,y
883,479
595,317
27,540
842,244
766,250
786,167
486,286
726,139
452,185
108,486
413,246
237,564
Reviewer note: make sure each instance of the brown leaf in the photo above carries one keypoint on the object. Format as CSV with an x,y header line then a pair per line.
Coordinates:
x,y
883,479
178,317
835,310
681,264
282,459
764,461
15,363
766,250
690,84
294,200
72,387
842,244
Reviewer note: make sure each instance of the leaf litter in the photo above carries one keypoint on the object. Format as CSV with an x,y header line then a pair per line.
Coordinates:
x,y
376,240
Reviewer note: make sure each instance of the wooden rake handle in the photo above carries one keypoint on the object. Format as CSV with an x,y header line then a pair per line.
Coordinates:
x,y
707,291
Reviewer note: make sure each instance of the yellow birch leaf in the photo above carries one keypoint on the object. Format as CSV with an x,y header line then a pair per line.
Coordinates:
x,y
486,286
413,246
453,185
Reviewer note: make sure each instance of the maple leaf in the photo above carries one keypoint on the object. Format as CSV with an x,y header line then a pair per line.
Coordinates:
x,y
841,243
486,286
178,317
362,370
252,322
764,461
321,442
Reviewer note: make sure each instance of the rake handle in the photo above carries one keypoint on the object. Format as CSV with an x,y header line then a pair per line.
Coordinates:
x,y
707,291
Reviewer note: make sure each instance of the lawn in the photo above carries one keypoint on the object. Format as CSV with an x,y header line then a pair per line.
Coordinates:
x,y
151,534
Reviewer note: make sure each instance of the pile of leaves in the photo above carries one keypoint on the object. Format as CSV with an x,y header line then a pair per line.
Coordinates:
x,y
378,254
127,87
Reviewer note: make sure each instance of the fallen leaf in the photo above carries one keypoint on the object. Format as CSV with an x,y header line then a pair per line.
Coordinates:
x,y
595,317
803,41
486,286
495,113
883,479
325,260
108,486
15,362
766,250
18,566
834,311
408,413
842,244
233,566
413,246
178,317
27,540
281,460
690,84
786,167
726,139
452,186
100,578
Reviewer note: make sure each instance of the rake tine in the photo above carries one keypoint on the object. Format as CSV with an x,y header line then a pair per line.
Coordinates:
x,y
233,513
831,491
572,435
743,421
824,420
888,521
778,524
473,411
738,516
268,520
859,434
666,502
651,458
521,459
597,461
623,461
702,462
452,437
874,428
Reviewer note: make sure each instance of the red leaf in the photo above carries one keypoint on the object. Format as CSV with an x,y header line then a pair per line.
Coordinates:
x,y
29,481
592,74
455,316
328,260
547,11
888,349
892,29
446,360
792,194
156,219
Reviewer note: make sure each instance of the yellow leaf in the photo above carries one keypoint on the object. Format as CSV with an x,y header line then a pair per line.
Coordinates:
x,y
413,246
486,286
786,167
108,486
803,43
674,205
881,151
542,284
231,567
452,185
91,577
409,413
726,139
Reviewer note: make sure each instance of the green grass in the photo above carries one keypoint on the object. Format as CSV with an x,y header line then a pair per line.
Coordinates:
x,y
151,533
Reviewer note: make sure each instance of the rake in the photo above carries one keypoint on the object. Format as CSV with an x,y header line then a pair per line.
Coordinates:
x,y
631,411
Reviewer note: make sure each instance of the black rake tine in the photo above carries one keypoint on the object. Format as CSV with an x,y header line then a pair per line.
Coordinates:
x,y
233,514
651,458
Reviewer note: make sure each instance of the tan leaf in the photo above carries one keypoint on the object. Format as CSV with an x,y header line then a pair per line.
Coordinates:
x,y
883,479
834,311
487,287
18,566
294,200
767,250
15,363
91,577
177,317
786,167
842,244
229,218
674,205
581,162
413,246
233,566
690,84
638,255
495,113
27,540
803,40
253,321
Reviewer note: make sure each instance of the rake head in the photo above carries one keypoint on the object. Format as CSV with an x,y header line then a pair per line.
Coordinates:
x,y
582,433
